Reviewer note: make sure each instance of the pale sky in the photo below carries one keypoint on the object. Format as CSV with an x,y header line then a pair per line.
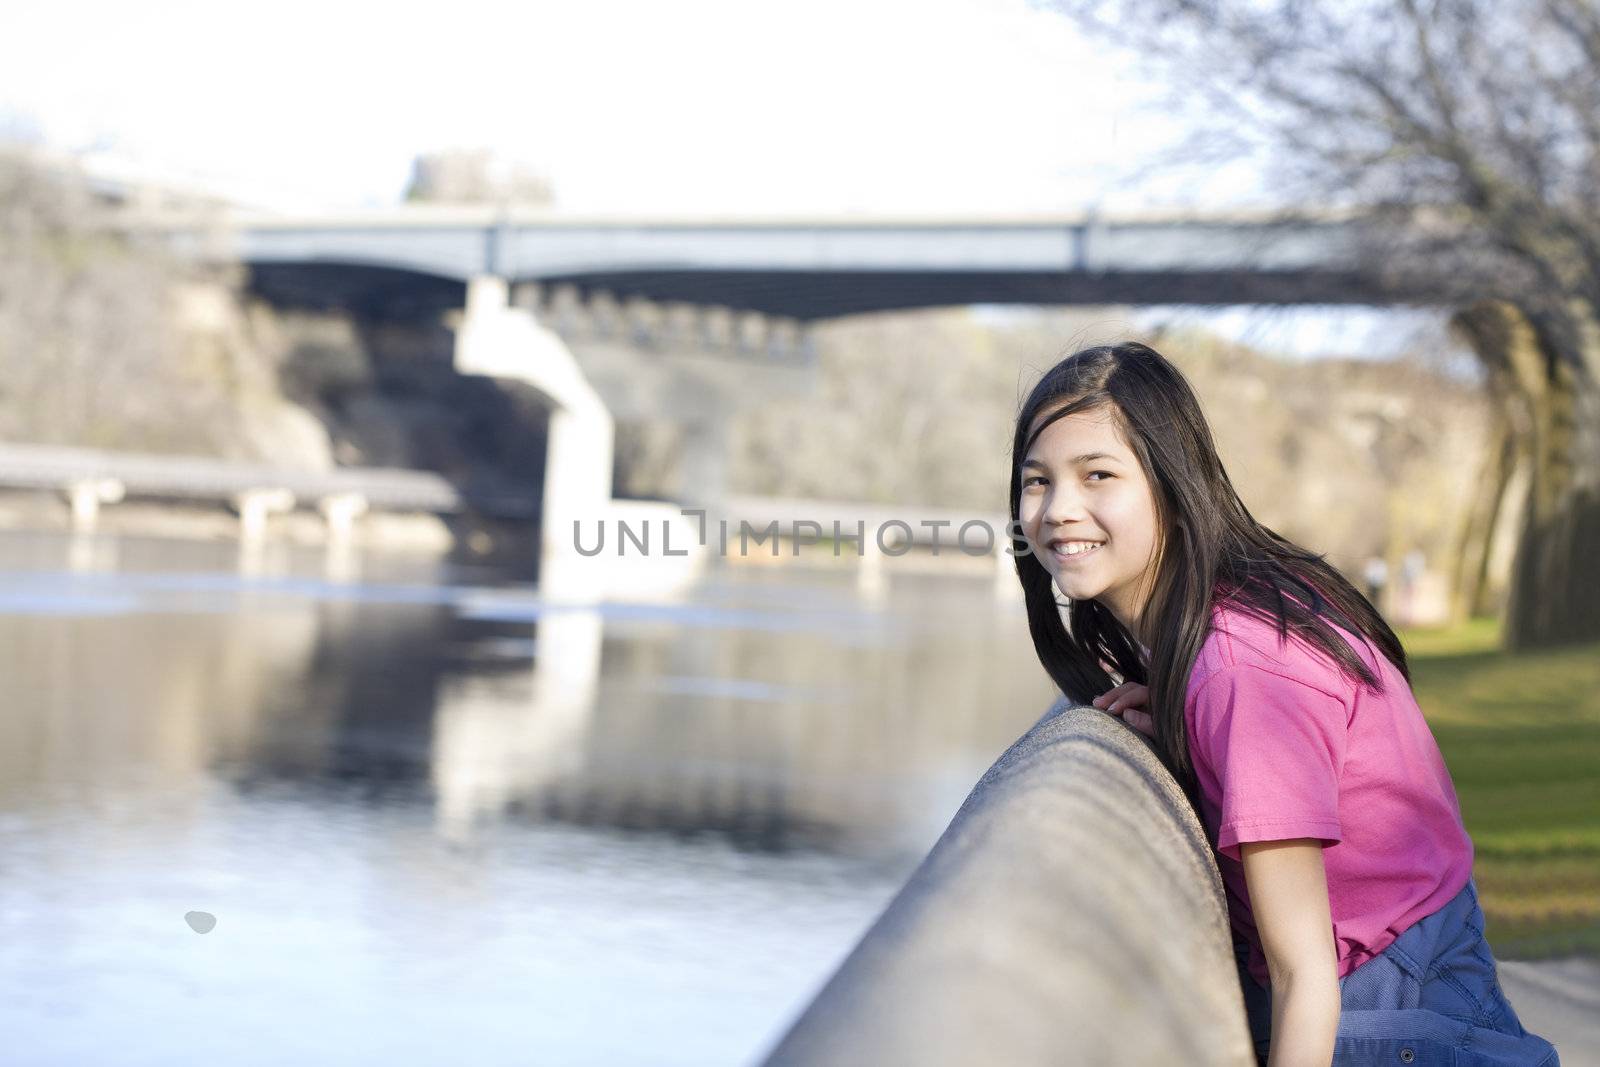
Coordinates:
x,y
742,107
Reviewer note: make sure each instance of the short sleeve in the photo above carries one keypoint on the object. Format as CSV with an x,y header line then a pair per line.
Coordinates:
x,y
1275,747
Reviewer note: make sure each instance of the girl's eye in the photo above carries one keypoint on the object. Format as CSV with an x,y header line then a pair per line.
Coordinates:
x,y
1108,474
1031,479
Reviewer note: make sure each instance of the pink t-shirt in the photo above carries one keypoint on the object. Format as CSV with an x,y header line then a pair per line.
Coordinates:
x,y
1285,746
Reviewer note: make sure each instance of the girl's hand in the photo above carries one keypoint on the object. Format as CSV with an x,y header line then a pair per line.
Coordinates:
x,y
1130,702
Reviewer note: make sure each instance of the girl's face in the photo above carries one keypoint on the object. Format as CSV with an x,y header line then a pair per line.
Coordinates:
x,y
1083,489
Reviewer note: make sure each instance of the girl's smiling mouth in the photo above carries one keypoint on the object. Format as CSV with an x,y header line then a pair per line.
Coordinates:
x,y
1074,550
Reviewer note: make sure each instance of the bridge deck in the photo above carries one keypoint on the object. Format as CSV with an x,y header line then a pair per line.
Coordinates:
x,y
196,478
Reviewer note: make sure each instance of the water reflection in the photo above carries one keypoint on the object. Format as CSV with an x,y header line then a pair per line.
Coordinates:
x,y
434,817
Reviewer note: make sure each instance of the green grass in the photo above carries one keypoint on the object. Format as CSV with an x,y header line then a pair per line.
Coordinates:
x,y
1521,735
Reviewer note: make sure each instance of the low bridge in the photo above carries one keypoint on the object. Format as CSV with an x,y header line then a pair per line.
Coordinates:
x,y
810,270
90,478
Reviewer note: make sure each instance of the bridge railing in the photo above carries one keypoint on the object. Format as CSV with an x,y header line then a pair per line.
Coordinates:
x,y
1071,913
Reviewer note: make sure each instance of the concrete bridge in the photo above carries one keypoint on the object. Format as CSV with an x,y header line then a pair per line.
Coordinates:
x,y
88,479
520,286
803,271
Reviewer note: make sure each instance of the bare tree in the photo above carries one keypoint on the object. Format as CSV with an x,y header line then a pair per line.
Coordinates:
x,y
84,324
1470,130
109,339
476,176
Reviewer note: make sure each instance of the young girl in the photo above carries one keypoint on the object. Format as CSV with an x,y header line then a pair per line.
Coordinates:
x,y
1280,701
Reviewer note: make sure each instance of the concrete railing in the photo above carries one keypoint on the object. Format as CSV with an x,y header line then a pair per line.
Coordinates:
x,y
1071,913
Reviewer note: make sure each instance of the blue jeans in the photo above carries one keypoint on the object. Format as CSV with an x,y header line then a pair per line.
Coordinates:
x,y
1431,997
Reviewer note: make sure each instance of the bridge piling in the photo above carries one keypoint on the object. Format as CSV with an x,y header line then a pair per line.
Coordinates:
x,y
86,496
255,506
340,512
499,341
1005,571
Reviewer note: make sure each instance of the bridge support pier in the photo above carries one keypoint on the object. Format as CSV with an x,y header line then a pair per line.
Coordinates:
x,y
1006,586
500,341
872,578
340,511
871,582
85,497
255,506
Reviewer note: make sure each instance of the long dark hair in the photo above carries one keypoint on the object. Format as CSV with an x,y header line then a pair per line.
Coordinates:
x,y
1208,548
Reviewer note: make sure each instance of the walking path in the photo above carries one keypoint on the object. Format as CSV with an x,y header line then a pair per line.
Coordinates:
x,y
1560,1001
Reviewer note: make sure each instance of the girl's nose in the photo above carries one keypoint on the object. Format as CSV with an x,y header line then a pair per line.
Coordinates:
x,y
1061,506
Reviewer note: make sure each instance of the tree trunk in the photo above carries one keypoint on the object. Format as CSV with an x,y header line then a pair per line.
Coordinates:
x,y
1553,403
1475,543
1555,579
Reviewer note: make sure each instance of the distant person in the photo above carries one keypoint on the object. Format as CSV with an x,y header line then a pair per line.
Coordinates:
x,y
1411,568
1376,575
1334,819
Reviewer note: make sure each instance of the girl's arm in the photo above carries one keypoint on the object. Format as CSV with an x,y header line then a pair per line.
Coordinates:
x,y
1289,899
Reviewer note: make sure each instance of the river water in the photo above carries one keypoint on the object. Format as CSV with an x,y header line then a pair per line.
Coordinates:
x,y
434,820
